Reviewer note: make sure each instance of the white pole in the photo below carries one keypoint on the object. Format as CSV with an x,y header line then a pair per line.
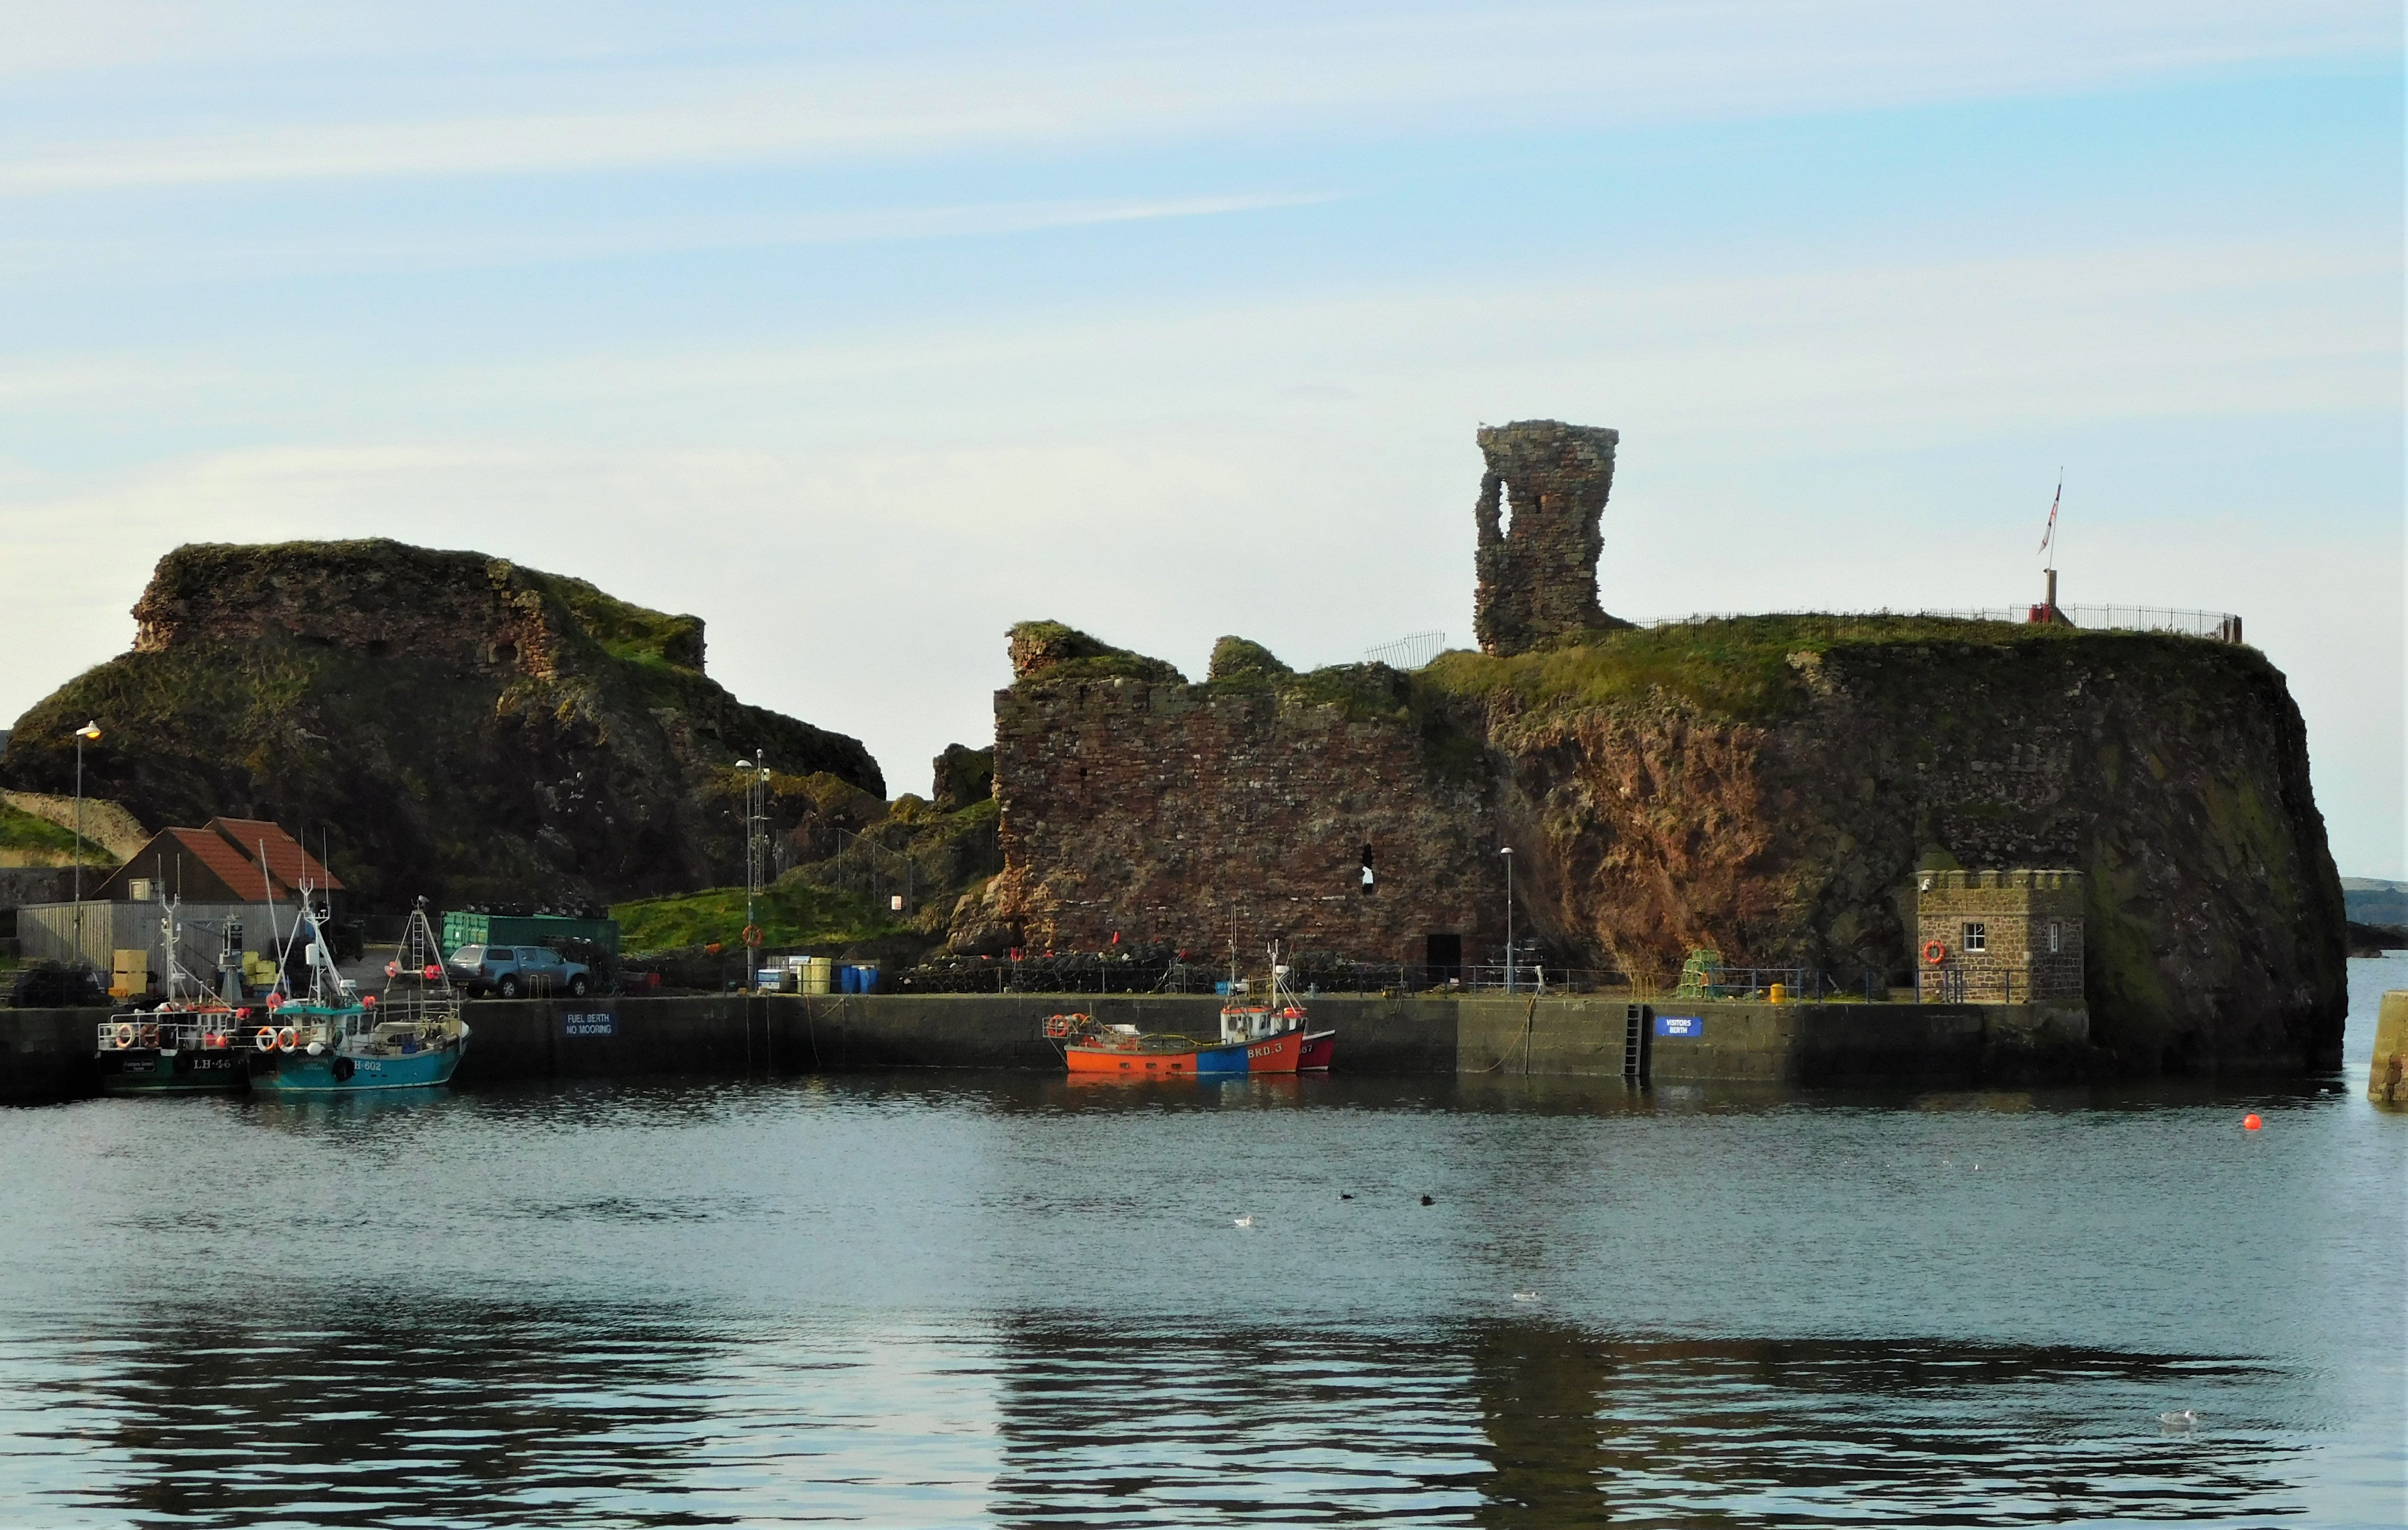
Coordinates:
x,y
1508,853
76,851
89,730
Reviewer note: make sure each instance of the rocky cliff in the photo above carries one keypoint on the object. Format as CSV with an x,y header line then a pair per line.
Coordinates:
x,y
1765,787
458,726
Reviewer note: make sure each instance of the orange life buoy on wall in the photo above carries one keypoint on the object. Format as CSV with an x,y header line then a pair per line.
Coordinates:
x,y
1934,953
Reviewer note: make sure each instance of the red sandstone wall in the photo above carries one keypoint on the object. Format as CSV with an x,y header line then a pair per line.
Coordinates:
x,y
1158,811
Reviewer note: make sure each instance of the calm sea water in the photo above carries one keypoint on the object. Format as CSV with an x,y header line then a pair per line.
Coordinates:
x,y
936,1299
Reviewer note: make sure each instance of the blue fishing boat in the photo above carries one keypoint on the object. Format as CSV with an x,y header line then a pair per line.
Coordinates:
x,y
334,1040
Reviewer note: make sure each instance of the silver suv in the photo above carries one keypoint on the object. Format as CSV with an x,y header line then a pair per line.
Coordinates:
x,y
516,971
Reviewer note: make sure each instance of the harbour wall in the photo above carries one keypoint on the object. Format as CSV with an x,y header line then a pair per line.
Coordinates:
x,y
47,1054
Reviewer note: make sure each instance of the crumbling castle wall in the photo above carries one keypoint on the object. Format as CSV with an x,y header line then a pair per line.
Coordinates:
x,y
1153,810
1539,503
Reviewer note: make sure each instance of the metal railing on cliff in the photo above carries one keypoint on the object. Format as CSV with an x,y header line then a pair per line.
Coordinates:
x,y
2221,626
1138,970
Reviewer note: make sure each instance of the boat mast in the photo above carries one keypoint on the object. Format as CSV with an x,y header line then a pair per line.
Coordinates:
x,y
275,939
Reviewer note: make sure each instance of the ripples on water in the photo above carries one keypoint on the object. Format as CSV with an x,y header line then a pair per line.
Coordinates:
x,y
915,1301
478,1416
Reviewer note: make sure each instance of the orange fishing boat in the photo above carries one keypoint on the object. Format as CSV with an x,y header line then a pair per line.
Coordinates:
x,y
1254,1038
1258,1040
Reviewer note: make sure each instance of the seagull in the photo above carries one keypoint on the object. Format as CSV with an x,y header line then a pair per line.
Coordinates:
x,y
1426,1201
2183,1420
1526,1295
1246,1220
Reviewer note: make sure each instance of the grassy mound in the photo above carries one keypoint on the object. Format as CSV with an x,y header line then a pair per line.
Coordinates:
x,y
21,831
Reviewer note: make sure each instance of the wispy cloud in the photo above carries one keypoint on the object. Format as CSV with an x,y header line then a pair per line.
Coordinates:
x,y
455,245
1244,71
1880,353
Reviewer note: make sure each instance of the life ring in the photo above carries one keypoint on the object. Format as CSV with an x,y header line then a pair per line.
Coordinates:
x,y
265,1038
124,1037
1934,953
150,1035
753,936
287,1038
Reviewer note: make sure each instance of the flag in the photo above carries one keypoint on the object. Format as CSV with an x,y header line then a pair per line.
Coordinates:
x,y
2049,537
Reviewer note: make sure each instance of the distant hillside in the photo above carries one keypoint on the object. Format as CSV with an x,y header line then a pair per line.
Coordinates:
x,y
456,725
2373,902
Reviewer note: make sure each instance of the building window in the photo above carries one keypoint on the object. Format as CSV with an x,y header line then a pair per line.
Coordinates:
x,y
2055,937
1977,939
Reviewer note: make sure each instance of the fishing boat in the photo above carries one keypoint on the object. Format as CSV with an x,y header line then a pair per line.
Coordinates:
x,y
1266,1037
334,1040
1314,1053
188,1043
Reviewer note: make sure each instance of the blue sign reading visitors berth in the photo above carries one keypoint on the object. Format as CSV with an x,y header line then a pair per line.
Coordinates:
x,y
592,1022
1680,1026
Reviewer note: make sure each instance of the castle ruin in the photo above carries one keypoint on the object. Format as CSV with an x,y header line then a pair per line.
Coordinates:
x,y
1539,503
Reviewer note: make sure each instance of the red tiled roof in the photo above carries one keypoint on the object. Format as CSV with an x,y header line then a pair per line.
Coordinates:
x,y
287,861
229,865
182,857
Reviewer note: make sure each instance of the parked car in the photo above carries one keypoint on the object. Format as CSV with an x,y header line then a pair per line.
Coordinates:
x,y
516,971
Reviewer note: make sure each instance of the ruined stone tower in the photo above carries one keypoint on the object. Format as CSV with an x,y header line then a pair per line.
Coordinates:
x,y
1547,482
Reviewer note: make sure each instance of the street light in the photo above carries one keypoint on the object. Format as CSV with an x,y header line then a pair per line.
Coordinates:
x,y
1508,853
756,815
90,731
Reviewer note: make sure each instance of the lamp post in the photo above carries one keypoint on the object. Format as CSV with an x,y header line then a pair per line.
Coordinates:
x,y
90,731
1508,853
756,791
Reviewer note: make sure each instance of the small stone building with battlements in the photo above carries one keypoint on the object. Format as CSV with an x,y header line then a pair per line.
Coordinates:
x,y
1998,936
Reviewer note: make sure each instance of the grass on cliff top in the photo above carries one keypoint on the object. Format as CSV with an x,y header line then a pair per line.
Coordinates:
x,y
790,913
22,830
1734,668
633,632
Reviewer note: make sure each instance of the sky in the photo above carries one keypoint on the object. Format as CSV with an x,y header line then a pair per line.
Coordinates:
x,y
864,331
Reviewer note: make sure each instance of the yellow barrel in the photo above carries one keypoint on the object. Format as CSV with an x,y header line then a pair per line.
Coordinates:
x,y
819,974
1779,993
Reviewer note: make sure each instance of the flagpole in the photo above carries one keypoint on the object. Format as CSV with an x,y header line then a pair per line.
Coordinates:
x,y
2048,545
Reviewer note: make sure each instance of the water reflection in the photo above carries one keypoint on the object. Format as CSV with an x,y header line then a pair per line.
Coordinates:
x,y
461,1413
432,1411
1538,1425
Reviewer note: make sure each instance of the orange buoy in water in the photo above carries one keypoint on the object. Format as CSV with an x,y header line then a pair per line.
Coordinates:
x,y
2250,1121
